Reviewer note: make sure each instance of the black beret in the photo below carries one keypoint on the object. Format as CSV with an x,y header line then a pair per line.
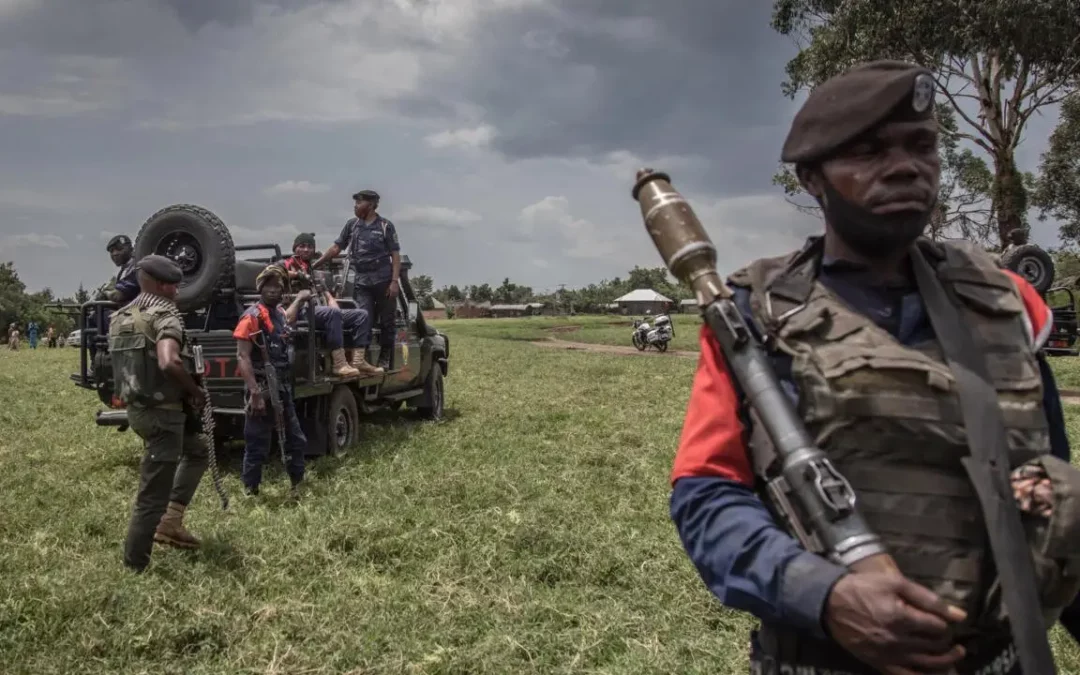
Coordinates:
x,y
304,238
161,268
851,103
366,195
118,241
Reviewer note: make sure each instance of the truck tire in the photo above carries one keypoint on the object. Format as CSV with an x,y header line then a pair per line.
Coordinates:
x,y
434,394
1032,263
196,240
343,423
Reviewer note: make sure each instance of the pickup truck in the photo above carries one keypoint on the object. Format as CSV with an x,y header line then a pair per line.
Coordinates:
x,y
217,288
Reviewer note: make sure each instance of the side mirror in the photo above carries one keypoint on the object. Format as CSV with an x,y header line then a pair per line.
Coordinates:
x,y
414,310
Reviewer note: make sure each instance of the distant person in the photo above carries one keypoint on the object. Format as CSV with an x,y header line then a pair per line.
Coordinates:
x,y
50,337
32,334
13,337
375,255
154,382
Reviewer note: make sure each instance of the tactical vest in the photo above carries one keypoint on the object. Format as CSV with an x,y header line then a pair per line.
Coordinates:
x,y
889,416
274,333
137,376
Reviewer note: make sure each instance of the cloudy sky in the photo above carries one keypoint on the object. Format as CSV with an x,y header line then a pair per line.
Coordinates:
x,y
503,135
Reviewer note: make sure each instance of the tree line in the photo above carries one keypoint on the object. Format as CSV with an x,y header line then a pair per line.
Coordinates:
x,y
997,64
19,307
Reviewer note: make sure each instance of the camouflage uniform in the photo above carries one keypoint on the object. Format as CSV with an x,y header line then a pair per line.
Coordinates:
x,y
176,457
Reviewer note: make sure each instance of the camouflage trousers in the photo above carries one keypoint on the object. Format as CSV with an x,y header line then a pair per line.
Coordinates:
x,y
173,464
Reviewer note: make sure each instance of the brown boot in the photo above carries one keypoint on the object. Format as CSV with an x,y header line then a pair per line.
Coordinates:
x,y
171,529
361,364
341,366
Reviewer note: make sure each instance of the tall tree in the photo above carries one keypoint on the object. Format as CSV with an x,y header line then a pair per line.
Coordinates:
x,y
996,63
82,295
423,285
1057,193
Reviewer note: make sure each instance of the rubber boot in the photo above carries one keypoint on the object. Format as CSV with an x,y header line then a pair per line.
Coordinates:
x,y
171,530
361,364
341,366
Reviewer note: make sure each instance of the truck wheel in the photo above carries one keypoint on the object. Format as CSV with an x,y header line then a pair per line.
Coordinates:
x,y
1032,263
343,429
196,240
432,407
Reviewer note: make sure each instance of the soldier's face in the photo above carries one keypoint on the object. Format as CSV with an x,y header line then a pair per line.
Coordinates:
x,y
120,255
271,292
891,170
169,290
363,208
304,251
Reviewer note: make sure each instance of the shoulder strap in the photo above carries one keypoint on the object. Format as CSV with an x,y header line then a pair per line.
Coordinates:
x,y
988,466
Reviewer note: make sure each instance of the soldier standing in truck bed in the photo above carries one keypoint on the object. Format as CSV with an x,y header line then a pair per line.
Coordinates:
x,y
152,375
375,254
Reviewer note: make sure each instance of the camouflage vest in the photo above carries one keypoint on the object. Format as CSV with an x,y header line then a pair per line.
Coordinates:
x,y
137,377
889,416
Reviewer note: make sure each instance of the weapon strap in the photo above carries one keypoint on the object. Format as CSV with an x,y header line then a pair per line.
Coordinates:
x,y
988,467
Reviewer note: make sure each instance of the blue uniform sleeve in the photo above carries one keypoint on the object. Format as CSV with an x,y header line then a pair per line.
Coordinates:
x,y
342,242
1055,415
128,288
391,237
745,559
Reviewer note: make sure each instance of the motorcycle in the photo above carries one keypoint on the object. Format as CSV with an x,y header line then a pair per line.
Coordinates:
x,y
658,335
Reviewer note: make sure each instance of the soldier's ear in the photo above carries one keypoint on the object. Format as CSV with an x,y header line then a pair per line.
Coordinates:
x,y
811,179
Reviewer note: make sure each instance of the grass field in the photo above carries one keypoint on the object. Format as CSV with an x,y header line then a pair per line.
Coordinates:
x,y
527,533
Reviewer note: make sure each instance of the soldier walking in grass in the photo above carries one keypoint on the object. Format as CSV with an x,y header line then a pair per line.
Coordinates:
x,y
375,254
13,337
152,369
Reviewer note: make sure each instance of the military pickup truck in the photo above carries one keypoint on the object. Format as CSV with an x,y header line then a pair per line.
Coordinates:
x,y
218,287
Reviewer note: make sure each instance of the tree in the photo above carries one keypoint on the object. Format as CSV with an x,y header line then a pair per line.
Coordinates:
x,y
1009,58
1057,192
423,285
82,295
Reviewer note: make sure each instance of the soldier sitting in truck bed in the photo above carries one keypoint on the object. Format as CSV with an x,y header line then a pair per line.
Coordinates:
x,y
340,325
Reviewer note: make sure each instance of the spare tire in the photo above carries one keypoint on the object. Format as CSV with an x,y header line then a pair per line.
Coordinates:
x,y
1032,263
196,240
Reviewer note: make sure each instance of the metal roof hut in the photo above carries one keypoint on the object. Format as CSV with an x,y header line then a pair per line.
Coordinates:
x,y
643,300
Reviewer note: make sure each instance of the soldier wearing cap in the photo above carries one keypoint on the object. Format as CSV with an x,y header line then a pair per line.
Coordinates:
x,y
850,338
124,286
375,255
152,375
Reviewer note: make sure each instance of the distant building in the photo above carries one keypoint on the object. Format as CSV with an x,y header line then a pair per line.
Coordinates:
x,y
470,310
437,311
688,305
527,309
644,300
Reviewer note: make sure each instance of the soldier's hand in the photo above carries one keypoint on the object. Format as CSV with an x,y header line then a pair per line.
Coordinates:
x,y
257,404
303,295
197,399
1032,490
893,624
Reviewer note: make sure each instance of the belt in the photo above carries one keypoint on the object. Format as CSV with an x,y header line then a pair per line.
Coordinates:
x,y
1001,662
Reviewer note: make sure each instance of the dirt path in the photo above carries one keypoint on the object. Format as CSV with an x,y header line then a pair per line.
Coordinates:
x,y
1068,396
554,343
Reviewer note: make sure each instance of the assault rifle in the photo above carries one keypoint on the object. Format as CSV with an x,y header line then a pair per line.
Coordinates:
x,y
816,501
270,375
207,419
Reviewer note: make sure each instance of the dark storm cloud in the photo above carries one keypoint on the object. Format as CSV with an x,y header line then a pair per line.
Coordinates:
x,y
677,78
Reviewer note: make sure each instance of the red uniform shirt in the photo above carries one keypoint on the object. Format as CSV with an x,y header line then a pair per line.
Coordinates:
x,y
712,441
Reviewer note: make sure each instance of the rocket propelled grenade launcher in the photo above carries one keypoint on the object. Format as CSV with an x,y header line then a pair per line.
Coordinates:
x,y
817,502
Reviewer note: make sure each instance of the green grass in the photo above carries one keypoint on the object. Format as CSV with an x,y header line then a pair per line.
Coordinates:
x,y
607,329
527,533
